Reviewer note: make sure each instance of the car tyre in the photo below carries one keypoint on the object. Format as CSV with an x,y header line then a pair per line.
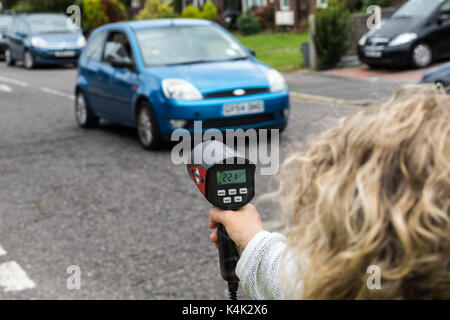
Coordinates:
x,y
83,114
28,60
421,55
147,127
8,58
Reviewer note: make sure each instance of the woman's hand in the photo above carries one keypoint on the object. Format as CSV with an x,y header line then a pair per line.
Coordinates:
x,y
241,225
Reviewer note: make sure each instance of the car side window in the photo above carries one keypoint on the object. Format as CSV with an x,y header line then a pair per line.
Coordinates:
x,y
117,48
445,8
94,48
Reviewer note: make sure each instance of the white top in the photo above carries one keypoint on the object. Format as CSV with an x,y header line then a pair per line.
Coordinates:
x,y
259,266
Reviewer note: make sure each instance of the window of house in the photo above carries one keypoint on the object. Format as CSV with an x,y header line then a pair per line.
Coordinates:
x,y
255,3
322,3
284,4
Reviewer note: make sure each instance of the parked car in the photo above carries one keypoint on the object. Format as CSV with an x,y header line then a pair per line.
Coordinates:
x,y
439,74
43,39
5,20
416,34
161,75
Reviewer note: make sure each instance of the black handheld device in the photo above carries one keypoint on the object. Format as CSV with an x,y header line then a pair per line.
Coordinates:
x,y
227,180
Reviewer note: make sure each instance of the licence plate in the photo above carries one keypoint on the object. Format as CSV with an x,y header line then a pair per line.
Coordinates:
x,y
373,52
65,53
234,109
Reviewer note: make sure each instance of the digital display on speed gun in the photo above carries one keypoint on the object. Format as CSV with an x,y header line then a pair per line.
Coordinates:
x,y
227,180
231,176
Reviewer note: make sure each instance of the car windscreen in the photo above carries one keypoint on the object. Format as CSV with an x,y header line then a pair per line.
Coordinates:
x,y
187,45
417,8
4,22
50,23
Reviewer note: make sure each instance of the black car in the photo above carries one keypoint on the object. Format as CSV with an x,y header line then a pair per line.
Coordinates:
x,y
416,34
439,74
5,20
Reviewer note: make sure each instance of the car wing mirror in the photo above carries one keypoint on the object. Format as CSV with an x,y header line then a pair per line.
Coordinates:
x,y
252,52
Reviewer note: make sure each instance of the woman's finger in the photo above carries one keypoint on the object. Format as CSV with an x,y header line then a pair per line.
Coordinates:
x,y
213,236
212,224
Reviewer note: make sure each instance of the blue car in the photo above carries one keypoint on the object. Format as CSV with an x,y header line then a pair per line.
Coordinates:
x,y
43,39
439,74
161,75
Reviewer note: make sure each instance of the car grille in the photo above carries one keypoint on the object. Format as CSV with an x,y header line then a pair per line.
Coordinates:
x,y
238,121
230,93
377,41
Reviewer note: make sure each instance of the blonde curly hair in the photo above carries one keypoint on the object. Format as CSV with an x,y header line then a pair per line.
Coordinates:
x,y
375,190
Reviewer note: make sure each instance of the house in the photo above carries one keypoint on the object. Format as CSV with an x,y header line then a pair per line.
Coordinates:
x,y
293,13
289,13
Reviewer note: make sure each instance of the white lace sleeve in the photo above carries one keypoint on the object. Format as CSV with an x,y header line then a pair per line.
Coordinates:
x,y
259,266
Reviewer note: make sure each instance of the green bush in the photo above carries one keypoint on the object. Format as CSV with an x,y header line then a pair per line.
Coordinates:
x,y
209,11
154,9
248,24
41,5
100,12
332,34
191,12
266,15
22,7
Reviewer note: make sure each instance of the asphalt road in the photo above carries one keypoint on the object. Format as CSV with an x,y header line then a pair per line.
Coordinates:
x,y
130,219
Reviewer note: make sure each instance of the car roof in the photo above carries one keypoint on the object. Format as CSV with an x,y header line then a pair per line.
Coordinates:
x,y
159,23
38,14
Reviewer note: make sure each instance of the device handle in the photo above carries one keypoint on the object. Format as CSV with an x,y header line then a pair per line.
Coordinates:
x,y
228,255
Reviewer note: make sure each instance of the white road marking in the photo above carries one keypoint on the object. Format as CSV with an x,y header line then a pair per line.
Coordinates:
x,y
14,81
14,278
5,88
58,93
2,251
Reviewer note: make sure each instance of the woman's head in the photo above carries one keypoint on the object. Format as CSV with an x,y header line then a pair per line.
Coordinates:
x,y
375,190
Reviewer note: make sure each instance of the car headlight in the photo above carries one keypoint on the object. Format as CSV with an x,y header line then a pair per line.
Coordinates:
x,y
402,39
81,42
276,81
38,42
180,89
363,40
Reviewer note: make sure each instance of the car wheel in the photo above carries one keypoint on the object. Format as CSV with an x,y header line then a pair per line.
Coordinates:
x,y
8,59
83,113
28,60
147,127
421,55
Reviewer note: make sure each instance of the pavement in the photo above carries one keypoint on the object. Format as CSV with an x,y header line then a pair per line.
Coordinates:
x,y
328,88
129,220
364,72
